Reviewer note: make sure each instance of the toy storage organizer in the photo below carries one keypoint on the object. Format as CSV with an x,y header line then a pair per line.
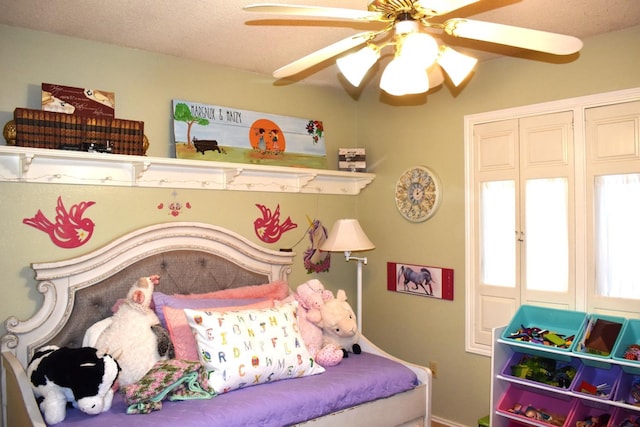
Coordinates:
x,y
545,385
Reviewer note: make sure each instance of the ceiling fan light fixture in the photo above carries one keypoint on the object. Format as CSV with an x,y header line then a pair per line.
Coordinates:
x,y
457,65
419,48
401,77
355,66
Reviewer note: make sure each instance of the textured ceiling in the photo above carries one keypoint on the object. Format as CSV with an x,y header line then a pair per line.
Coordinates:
x,y
220,32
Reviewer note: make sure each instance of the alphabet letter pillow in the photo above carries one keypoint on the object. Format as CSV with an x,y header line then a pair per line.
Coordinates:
x,y
248,347
182,337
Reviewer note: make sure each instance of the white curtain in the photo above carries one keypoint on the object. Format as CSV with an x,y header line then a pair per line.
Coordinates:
x,y
547,235
617,235
497,225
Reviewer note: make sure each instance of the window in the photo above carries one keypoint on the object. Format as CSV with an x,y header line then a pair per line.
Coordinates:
x,y
538,179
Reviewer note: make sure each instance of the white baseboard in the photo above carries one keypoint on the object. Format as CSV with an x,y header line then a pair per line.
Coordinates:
x,y
447,422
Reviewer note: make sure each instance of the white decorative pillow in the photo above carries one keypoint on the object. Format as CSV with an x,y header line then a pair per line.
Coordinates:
x,y
248,347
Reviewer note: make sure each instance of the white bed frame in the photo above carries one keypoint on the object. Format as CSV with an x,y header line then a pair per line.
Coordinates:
x,y
59,282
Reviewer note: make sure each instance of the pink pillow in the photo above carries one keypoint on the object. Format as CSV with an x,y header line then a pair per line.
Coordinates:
x,y
275,290
181,336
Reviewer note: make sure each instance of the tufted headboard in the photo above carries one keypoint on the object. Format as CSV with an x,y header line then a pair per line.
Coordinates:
x,y
189,257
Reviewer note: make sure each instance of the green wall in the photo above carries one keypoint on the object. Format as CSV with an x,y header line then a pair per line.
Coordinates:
x,y
397,134
145,83
429,131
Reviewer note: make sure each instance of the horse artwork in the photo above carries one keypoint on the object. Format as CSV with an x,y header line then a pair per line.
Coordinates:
x,y
420,278
434,282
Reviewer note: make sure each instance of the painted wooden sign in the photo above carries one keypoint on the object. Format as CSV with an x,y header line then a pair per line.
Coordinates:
x,y
224,134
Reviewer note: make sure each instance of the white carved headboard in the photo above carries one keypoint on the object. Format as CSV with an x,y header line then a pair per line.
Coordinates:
x,y
190,257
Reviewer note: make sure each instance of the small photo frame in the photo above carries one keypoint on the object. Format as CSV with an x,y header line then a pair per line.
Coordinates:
x,y
421,280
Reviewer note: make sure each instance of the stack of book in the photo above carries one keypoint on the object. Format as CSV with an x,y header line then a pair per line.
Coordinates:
x,y
47,129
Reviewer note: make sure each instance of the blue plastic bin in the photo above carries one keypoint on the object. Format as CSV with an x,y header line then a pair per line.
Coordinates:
x,y
592,318
565,323
630,335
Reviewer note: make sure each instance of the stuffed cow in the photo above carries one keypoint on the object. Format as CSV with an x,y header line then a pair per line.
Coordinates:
x,y
80,376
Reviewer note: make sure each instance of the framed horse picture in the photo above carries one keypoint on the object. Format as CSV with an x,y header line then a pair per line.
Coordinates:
x,y
433,282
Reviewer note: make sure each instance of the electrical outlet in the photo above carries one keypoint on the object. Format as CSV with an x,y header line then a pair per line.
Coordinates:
x,y
433,365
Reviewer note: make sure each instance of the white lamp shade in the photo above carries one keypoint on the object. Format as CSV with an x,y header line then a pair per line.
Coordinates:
x,y
401,77
419,48
347,236
457,65
355,66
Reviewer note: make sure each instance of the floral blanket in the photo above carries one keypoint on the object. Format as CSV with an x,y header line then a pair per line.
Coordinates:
x,y
172,379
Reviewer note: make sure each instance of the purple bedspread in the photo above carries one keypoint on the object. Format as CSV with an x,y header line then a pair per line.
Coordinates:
x,y
357,379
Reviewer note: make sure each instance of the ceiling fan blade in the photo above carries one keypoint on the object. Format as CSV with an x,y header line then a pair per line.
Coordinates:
x,y
316,11
441,7
322,54
542,41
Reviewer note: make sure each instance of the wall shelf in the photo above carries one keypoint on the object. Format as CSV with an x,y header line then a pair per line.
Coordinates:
x,y
38,165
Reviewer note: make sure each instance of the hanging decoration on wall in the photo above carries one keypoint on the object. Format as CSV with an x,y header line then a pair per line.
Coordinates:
x,y
268,228
420,280
175,206
315,260
69,229
213,132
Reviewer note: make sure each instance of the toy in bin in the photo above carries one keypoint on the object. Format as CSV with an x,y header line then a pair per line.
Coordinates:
x,y
544,370
633,352
537,335
594,421
630,421
532,412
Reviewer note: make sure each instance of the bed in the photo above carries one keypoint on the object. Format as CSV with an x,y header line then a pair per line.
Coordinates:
x,y
194,258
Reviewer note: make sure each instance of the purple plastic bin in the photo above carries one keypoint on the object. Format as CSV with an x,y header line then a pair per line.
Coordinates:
x,y
628,390
596,376
517,358
516,399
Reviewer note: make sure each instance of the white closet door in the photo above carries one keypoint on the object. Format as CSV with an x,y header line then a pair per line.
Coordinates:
x,y
613,193
523,187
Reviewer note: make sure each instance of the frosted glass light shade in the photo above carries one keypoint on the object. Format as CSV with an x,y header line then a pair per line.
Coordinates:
x,y
401,77
419,48
346,236
457,65
354,66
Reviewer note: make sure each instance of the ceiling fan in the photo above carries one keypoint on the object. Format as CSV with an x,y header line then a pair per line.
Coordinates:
x,y
418,58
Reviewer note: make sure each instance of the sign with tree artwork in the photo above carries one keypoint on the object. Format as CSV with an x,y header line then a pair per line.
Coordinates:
x,y
224,134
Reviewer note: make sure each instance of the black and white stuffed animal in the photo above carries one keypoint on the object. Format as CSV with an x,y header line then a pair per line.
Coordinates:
x,y
80,376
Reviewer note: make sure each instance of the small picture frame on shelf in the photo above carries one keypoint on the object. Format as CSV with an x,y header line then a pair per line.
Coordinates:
x,y
352,159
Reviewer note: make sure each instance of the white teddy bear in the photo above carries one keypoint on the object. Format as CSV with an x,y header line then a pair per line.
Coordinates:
x,y
134,335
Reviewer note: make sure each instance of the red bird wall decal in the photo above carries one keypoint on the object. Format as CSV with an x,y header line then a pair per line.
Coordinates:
x,y
268,228
70,230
